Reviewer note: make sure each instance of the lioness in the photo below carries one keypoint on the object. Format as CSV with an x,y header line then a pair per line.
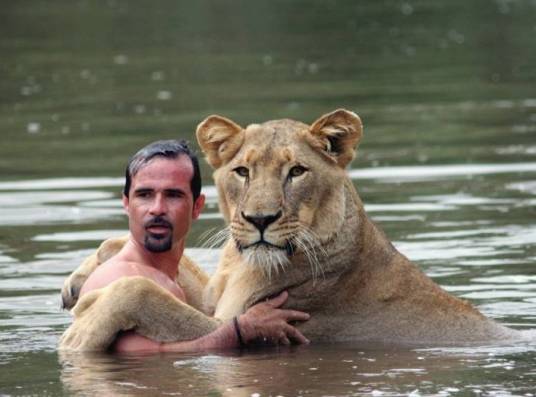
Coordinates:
x,y
296,223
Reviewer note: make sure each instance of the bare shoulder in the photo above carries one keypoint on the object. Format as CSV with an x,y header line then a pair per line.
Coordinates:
x,y
107,273
115,269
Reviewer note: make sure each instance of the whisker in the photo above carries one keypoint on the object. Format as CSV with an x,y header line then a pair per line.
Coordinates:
x,y
217,239
206,234
309,243
305,249
270,262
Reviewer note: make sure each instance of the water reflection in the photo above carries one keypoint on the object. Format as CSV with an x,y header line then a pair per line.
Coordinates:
x,y
341,369
139,375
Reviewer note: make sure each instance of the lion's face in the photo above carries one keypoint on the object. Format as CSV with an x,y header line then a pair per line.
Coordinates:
x,y
280,183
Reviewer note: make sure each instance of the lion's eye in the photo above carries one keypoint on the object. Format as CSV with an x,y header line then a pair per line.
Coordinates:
x,y
297,171
242,171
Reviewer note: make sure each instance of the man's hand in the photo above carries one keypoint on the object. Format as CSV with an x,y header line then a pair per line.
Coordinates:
x,y
265,322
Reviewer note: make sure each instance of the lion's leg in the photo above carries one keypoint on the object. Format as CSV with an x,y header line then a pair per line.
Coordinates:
x,y
133,303
93,328
192,280
213,292
73,284
215,286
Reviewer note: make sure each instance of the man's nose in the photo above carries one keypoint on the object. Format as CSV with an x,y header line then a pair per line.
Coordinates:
x,y
158,206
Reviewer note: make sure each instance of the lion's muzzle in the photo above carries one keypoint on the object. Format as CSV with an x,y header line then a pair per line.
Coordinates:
x,y
261,222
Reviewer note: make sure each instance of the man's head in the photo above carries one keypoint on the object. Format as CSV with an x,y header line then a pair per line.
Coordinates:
x,y
162,194
171,149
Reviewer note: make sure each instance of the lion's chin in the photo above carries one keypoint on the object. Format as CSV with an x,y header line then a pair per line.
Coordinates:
x,y
269,258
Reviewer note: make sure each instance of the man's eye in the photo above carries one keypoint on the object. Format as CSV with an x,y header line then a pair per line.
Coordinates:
x,y
296,171
143,194
242,171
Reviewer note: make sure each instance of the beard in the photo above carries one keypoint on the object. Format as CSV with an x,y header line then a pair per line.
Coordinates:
x,y
158,242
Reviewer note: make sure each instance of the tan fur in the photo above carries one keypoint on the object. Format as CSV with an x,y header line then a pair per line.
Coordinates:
x,y
333,260
191,277
100,314
363,288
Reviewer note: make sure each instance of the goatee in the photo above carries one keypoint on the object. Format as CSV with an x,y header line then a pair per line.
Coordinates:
x,y
158,242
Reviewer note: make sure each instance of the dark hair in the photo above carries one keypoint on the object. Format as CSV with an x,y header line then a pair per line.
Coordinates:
x,y
170,149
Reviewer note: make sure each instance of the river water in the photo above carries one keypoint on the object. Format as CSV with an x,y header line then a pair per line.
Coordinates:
x,y
447,167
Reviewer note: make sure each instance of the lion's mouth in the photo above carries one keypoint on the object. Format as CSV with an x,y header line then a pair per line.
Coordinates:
x,y
263,244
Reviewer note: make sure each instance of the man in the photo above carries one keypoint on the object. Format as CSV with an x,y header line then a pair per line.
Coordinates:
x,y
162,196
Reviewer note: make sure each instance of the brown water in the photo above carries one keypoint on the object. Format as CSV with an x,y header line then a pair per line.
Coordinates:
x,y
447,167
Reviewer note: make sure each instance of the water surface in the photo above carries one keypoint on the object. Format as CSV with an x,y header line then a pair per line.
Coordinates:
x,y
447,167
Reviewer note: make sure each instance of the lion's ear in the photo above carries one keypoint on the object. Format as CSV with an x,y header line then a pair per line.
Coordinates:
x,y
337,135
219,138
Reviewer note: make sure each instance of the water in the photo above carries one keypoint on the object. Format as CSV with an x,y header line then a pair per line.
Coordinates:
x,y
447,167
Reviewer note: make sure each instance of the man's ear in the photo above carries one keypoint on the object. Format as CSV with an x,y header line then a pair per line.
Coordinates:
x,y
199,204
220,139
125,203
337,135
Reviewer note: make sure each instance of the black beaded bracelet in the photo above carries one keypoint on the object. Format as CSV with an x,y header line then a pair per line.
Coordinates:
x,y
238,334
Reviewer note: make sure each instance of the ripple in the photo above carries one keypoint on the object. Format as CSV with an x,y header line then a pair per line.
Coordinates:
x,y
89,235
427,173
18,199
408,207
489,287
449,234
35,215
506,279
399,218
32,283
113,203
499,294
65,255
526,187
206,258
462,199
210,216
60,263
525,309
518,149
469,244
6,259
445,250
61,183
42,303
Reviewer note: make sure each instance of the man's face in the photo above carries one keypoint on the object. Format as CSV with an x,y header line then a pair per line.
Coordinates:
x,y
160,205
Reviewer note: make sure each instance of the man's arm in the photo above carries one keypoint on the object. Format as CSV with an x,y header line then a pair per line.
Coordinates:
x,y
264,321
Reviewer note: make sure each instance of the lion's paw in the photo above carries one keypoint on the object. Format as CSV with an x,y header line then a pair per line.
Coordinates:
x,y
71,290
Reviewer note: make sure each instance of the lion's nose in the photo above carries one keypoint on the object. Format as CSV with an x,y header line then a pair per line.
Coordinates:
x,y
261,222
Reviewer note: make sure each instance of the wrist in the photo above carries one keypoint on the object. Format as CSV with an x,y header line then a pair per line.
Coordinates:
x,y
222,338
247,331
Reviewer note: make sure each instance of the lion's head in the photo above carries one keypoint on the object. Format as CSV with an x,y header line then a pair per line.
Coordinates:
x,y
281,183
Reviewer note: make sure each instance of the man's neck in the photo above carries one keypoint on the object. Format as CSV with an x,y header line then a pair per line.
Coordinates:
x,y
166,262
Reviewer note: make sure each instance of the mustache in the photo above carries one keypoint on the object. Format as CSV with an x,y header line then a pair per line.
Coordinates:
x,y
158,221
